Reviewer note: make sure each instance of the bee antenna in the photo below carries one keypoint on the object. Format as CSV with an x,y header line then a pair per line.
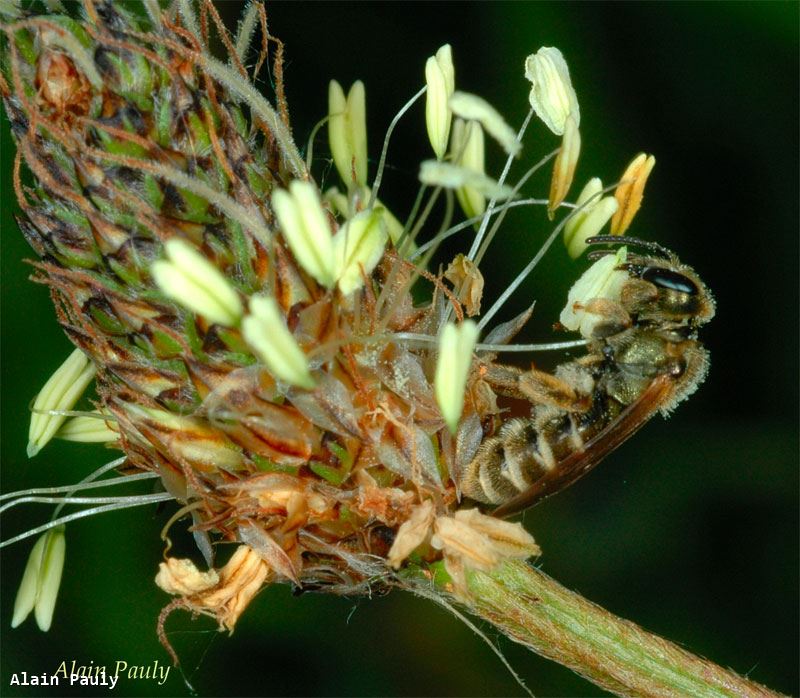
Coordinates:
x,y
652,247
594,255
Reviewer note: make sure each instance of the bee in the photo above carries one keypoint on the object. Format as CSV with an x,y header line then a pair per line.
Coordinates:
x,y
643,357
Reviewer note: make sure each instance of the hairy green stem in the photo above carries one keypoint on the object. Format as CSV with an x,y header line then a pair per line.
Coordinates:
x,y
615,654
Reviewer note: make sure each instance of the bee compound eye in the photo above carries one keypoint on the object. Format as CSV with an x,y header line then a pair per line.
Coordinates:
x,y
670,280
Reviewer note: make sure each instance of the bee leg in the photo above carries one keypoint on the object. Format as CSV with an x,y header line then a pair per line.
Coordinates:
x,y
613,318
504,380
542,388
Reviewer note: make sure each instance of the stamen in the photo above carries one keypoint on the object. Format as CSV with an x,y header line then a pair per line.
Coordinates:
x,y
382,162
124,503
111,482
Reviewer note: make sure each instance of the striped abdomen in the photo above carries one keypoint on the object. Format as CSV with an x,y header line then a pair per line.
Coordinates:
x,y
525,450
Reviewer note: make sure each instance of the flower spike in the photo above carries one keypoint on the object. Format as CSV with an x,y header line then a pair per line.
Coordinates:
x,y
552,95
440,78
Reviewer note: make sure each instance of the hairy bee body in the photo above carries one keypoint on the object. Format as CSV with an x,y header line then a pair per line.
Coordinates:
x,y
643,357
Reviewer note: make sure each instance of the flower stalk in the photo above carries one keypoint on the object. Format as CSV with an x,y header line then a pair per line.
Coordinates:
x,y
536,611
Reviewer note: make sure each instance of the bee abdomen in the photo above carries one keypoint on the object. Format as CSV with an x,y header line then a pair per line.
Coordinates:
x,y
508,464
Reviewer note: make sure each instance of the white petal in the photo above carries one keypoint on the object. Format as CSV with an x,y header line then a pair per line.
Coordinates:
x,y
26,595
589,223
468,150
347,131
188,293
87,430
601,280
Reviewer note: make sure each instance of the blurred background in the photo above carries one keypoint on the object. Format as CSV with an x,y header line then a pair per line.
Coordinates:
x,y
690,529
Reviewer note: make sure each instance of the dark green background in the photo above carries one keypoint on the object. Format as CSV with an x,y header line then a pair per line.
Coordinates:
x,y
690,529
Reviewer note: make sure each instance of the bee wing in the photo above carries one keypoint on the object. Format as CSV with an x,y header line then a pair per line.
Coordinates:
x,y
577,464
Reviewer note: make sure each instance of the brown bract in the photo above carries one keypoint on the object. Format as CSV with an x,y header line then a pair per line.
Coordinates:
x,y
224,594
62,87
468,282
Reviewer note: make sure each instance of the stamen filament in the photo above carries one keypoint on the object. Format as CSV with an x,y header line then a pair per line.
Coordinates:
x,y
112,482
133,501
382,162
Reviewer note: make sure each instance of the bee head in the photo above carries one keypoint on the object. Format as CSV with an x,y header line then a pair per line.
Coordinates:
x,y
661,290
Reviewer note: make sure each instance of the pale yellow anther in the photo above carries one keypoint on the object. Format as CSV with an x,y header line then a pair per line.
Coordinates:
x,y
347,207
264,329
630,192
552,95
603,280
473,108
456,344
189,279
467,149
304,224
594,212
358,247
347,132
62,390
41,580
450,176
564,166
85,429
440,79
